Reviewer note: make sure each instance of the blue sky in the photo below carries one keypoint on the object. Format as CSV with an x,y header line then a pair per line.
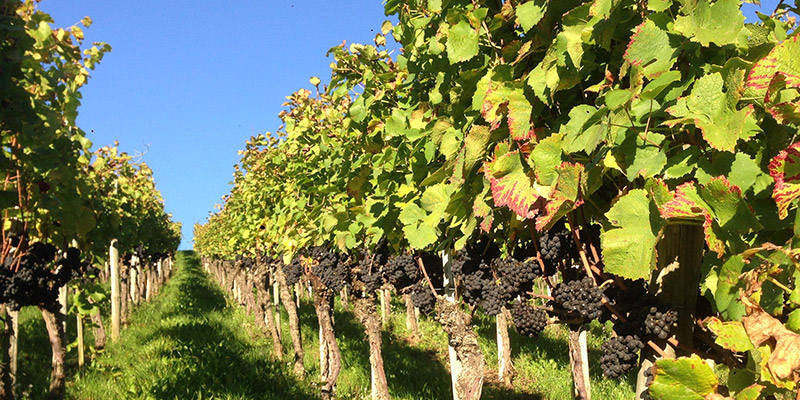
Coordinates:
x,y
187,82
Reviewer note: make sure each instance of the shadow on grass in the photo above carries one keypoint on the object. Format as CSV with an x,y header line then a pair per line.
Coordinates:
x,y
189,345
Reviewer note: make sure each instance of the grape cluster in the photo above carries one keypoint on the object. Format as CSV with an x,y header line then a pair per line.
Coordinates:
x,y
245,262
29,279
659,322
293,271
401,271
620,355
644,315
423,298
528,320
331,269
579,297
649,378
478,282
369,272
516,277
555,245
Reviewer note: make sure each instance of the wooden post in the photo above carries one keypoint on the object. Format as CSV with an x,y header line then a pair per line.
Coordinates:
x,y
579,363
276,294
13,350
677,282
134,279
450,294
113,255
384,316
79,325
505,370
63,292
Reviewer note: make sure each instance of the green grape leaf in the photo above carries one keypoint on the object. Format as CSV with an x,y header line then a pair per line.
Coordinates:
x,y
718,23
501,99
745,172
784,169
683,378
546,156
530,13
651,48
475,146
462,42
565,194
629,247
511,184
730,335
783,98
793,321
707,108
583,132
752,392
483,210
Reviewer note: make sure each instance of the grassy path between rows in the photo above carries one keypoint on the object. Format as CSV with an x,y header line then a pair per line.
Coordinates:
x,y
188,344
193,342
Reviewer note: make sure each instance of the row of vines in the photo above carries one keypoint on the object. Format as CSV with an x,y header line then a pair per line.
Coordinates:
x,y
62,204
636,161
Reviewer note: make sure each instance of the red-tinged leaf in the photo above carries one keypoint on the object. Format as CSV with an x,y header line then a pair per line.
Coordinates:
x,y
684,204
785,170
481,209
511,184
565,195
501,101
783,98
784,58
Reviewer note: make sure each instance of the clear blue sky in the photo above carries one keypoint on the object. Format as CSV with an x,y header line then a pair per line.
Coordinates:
x,y
187,82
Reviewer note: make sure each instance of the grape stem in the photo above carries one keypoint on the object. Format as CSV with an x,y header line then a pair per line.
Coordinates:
x,y
581,251
541,296
539,255
425,273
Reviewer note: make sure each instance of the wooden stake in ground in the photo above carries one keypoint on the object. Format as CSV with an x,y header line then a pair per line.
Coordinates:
x,y
579,363
113,255
411,317
680,258
505,370
79,328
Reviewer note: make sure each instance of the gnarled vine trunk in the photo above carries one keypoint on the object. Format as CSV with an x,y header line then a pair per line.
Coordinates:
x,y
53,322
322,304
412,323
468,383
368,316
505,370
294,322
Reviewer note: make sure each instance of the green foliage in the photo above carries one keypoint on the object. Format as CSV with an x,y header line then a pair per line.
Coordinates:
x,y
503,118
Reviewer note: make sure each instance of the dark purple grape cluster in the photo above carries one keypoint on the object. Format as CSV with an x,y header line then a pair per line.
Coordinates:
x,y
401,271
579,298
620,355
293,271
659,322
516,277
528,320
556,245
423,298
32,280
329,267
645,316
369,272
245,262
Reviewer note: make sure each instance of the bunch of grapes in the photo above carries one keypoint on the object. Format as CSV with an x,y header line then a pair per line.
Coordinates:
x,y
293,271
528,320
644,315
579,297
516,277
556,245
29,280
331,269
369,272
401,271
659,322
620,355
423,298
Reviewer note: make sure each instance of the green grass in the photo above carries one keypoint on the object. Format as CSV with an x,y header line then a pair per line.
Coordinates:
x,y
193,342
188,344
